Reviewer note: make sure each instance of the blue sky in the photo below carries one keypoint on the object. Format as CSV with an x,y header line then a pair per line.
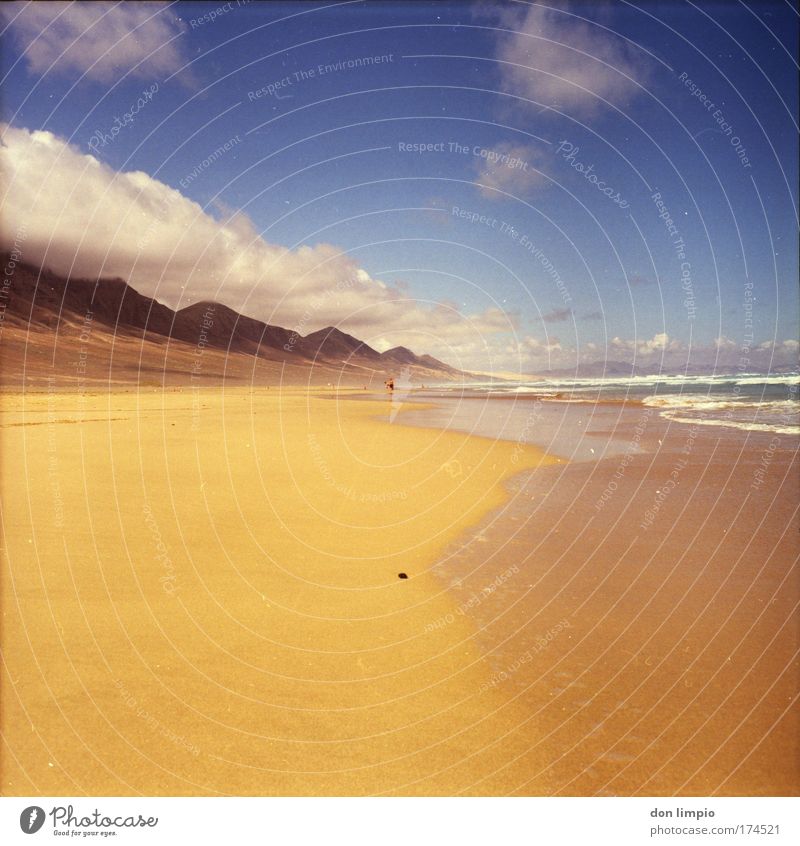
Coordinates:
x,y
519,264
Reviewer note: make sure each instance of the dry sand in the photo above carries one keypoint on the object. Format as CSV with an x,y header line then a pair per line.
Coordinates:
x,y
201,596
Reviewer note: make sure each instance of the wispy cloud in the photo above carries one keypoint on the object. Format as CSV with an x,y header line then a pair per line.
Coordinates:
x,y
104,41
510,169
557,315
561,61
660,352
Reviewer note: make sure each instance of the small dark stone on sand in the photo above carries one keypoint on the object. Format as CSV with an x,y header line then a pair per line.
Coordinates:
x,y
402,575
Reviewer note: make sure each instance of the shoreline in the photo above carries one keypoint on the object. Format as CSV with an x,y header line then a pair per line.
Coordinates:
x,y
539,616
635,692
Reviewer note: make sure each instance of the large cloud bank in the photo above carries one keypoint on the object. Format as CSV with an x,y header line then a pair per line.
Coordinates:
x,y
68,211
82,218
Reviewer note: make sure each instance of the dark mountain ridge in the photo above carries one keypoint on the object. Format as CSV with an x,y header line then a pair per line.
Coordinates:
x,y
332,343
38,297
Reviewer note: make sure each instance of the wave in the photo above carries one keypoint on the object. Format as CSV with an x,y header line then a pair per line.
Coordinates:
x,y
530,389
747,426
789,379
669,380
703,402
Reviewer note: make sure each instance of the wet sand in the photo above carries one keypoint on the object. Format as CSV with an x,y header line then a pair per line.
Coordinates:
x,y
642,610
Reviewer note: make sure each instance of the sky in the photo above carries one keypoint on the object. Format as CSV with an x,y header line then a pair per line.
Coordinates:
x,y
509,187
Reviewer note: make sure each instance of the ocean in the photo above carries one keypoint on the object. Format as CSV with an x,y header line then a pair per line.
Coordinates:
x,y
576,418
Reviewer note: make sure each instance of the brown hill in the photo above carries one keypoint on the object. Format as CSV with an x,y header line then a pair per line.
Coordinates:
x,y
334,345
224,328
103,330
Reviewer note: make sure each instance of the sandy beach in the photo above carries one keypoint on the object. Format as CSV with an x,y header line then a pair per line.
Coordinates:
x,y
647,621
400,399
201,596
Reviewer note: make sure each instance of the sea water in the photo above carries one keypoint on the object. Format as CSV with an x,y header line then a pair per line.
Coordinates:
x,y
574,418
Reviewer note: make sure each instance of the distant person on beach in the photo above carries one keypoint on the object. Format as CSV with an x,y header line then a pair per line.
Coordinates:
x,y
389,385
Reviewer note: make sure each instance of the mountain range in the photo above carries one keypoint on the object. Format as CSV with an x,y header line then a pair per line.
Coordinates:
x,y
123,334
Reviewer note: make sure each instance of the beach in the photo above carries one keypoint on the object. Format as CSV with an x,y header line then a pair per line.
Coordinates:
x,y
203,594
201,597
650,628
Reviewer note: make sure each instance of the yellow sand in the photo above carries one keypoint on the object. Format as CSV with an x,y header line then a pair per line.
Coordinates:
x,y
201,596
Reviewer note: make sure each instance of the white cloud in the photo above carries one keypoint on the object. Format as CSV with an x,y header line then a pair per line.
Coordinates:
x,y
529,354
661,352
103,40
788,348
560,61
658,344
514,169
82,218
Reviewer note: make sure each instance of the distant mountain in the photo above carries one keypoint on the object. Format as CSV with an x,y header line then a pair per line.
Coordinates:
x,y
595,370
333,344
39,300
224,328
40,296
403,357
434,364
